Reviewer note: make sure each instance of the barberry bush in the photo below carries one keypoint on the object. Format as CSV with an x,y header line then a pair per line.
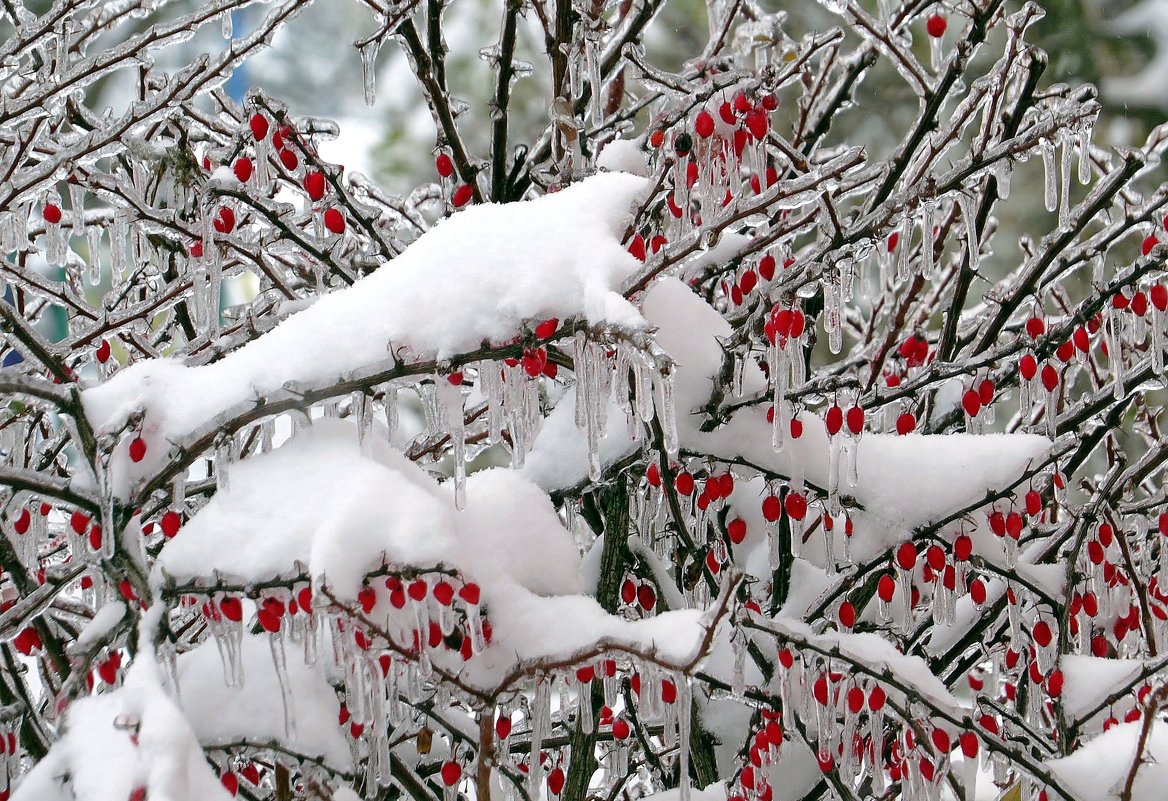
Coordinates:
x,y
734,431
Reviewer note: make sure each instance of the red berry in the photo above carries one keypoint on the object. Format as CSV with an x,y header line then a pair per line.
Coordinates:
x,y
170,524
137,449
289,159
1028,367
259,126
620,729
855,418
684,484
1035,327
242,169
470,593
886,588
906,423
971,402
834,420
936,25
736,529
451,773
103,352
51,213
224,221
444,165
231,608
314,184
462,195
704,125
647,597
906,556
795,506
847,615
1150,242
334,221
771,508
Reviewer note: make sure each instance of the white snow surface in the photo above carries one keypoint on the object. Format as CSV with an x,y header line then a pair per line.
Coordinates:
x,y
319,503
102,762
1099,768
477,276
905,481
254,710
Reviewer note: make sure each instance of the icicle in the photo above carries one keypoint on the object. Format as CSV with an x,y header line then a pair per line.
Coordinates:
x,y
280,662
77,204
224,456
106,498
1051,412
389,400
1050,176
539,728
738,644
1065,187
1003,172
451,401
363,411
683,705
1084,147
667,413
369,69
903,246
226,23
93,262
833,315
935,55
928,242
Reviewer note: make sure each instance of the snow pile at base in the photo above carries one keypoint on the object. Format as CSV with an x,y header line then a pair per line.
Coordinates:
x,y
1099,769
102,763
254,710
317,504
478,276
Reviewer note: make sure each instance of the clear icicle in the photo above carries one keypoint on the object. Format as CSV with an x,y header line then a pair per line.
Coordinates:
x,y
1003,172
227,24
77,204
1084,148
935,56
903,246
1049,176
1157,341
391,411
969,220
927,241
369,69
93,261
224,456
1064,216
363,412
280,662
540,713
683,705
450,398
667,413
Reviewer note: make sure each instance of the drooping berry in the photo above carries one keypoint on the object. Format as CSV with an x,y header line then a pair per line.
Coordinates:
x,y
259,126
704,125
462,195
444,165
314,184
243,169
51,213
137,449
936,25
334,221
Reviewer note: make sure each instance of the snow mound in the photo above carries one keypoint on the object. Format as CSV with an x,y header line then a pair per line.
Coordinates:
x,y
478,276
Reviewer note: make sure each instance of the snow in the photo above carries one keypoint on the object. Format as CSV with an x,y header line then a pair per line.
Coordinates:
x,y
317,503
1087,680
101,761
254,710
906,482
1099,768
102,623
480,275
623,155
